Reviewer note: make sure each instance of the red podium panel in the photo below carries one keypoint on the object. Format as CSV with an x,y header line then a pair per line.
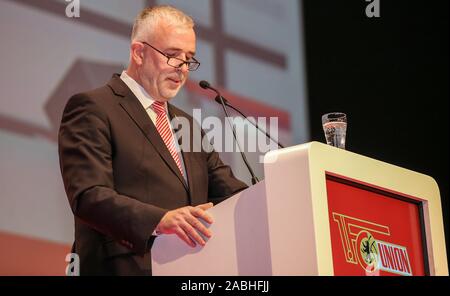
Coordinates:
x,y
374,231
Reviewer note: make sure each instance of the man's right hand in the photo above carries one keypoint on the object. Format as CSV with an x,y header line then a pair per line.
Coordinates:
x,y
185,223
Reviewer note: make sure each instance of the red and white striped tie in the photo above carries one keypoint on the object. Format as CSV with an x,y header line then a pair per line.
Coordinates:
x,y
164,130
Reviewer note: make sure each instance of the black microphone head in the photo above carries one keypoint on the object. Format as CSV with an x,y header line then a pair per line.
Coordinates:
x,y
204,84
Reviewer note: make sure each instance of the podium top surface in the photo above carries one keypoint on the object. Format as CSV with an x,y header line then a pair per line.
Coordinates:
x,y
352,165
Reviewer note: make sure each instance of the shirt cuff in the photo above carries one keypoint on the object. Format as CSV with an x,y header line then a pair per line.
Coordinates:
x,y
156,232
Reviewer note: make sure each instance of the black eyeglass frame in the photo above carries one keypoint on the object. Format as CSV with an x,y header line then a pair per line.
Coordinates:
x,y
192,65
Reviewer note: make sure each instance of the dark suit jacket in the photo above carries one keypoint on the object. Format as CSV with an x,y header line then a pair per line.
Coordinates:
x,y
120,178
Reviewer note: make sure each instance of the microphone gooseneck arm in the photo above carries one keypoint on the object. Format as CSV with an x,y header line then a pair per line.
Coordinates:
x,y
205,85
246,117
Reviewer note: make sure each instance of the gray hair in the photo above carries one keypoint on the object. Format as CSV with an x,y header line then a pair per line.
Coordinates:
x,y
149,18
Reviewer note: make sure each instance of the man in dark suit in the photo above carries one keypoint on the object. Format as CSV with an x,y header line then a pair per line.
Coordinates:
x,y
125,178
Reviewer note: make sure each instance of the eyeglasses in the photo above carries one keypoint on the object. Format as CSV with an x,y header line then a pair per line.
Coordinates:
x,y
176,62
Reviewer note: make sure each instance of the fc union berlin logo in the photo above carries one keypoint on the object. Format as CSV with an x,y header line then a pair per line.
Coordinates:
x,y
361,247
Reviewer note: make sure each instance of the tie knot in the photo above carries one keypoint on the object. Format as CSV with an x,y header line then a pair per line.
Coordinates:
x,y
159,107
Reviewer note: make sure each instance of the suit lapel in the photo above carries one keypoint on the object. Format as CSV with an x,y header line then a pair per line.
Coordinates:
x,y
133,107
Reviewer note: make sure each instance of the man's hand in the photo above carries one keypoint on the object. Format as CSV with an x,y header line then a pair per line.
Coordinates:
x,y
184,223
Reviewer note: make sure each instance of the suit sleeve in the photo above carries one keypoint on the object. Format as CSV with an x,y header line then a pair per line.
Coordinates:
x,y
85,153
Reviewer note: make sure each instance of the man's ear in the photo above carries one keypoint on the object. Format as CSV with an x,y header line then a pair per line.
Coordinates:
x,y
137,53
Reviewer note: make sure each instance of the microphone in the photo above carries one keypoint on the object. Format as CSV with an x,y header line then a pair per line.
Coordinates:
x,y
205,85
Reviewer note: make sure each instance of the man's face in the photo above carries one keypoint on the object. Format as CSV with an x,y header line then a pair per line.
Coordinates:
x,y
159,79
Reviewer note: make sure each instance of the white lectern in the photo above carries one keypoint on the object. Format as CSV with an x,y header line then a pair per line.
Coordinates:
x,y
319,211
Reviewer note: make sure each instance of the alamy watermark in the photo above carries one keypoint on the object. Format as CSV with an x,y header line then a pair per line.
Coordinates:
x,y
373,8
73,266
218,134
73,8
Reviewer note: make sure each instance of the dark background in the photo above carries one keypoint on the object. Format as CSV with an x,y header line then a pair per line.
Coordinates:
x,y
390,75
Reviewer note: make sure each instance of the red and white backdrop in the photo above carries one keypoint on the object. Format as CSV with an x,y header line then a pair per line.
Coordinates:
x,y
250,49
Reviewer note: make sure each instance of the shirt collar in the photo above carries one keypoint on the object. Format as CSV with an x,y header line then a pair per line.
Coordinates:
x,y
144,98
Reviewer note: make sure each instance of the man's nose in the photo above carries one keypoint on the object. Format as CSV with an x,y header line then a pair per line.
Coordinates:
x,y
184,68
